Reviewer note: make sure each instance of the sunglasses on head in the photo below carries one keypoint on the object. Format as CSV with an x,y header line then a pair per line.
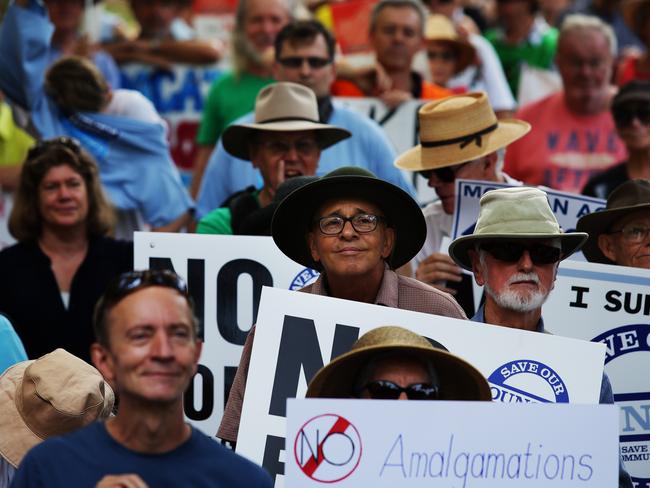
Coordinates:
x,y
625,114
511,252
296,61
131,281
387,390
41,146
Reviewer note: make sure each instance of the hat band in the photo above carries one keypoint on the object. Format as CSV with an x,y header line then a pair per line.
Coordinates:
x,y
288,119
476,137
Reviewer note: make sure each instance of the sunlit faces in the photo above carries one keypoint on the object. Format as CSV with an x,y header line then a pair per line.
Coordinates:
x,y
403,371
350,253
263,20
62,198
442,61
153,350
397,37
628,242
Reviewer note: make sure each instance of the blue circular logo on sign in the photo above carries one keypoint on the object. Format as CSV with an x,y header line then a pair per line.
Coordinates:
x,y
505,383
306,277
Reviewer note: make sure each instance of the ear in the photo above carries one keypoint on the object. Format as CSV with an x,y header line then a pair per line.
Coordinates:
x,y
607,246
103,360
389,242
313,248
477,269
490,166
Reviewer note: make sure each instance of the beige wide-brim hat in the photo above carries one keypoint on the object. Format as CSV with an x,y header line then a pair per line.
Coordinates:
x,y
633,15
457,379
515,213
282,107
457,129
53,395
440,29
630,197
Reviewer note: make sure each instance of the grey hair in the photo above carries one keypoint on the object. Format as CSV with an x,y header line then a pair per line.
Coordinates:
x,y
382,4
368,369
577,22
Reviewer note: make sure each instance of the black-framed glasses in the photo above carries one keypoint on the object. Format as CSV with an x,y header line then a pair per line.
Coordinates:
x,y
633,233
442,55
362,223
128,282
446,174
314,62
626,113
511,252
41,146
387,390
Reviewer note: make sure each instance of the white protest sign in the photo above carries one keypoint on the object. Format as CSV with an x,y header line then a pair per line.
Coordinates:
x,y
297,333
567,207
225,275
349,443
611,304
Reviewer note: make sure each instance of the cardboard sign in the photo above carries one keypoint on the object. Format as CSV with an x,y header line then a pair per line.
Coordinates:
x,y
297,333
349,443
225,275
611,305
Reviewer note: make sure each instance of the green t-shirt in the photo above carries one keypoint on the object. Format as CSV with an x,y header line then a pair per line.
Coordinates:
x,y
219,220
230,97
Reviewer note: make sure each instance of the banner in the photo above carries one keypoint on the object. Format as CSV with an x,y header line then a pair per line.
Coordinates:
x,y
297,333
225,275
349,443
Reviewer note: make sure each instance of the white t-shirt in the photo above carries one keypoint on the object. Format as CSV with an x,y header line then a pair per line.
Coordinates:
x,y
133,104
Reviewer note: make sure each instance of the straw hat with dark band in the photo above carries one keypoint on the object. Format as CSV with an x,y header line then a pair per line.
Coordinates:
x,y
440,29
457,129
631,196
282,107
458,380
293,217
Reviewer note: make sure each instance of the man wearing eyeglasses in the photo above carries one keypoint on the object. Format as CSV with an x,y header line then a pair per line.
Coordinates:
x,y
147,349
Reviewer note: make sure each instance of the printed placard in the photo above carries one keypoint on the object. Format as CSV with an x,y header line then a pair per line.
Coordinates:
x,y
348,443
297,333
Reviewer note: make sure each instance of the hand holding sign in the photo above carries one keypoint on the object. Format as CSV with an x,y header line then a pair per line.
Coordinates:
x,y
437,269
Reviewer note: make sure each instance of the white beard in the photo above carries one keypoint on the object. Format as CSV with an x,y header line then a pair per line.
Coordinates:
x,y
517,301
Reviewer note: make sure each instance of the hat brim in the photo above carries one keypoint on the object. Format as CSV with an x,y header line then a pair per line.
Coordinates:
x,y
236,138
596,223
466,53
293,217
16,438
459,248
458,380
421,158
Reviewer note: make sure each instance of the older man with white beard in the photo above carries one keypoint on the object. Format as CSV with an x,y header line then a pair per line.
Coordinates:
x,y
514,253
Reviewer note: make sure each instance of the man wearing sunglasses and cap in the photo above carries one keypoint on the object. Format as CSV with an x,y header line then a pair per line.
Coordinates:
x,y
514,253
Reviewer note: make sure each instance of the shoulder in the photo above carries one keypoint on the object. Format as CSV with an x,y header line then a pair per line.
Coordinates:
x,y
534,109
218,221
420,297
19,250
433,209
357,123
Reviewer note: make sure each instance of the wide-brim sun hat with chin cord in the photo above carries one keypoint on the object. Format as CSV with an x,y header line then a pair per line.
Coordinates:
x,y
293,218
627,198
440,29
457,129
282,107
53,395
514,213
457,379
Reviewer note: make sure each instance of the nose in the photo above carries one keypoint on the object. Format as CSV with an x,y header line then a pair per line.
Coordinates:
x,y
348,231
402,396
434,181
161,347
292,153
525,263
305,69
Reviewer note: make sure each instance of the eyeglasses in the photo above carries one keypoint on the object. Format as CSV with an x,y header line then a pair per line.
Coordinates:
x,y
633,233
362,223
297,61
41,146
625,114
387,390
446,174
128,282
511,252
442,55
304,147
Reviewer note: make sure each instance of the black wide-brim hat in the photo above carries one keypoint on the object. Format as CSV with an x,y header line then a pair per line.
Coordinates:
x,y
294,216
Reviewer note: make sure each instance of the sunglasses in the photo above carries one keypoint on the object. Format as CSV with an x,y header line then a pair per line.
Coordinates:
x,y
625,114
297,61
387,390
511,252
446,174
42,146
128,282
442,55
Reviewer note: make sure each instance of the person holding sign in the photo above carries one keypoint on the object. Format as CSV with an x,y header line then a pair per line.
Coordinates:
x,y
619,234
393,363
514,252
355,229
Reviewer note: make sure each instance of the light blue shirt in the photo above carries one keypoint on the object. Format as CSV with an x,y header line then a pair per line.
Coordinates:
x,y
11,348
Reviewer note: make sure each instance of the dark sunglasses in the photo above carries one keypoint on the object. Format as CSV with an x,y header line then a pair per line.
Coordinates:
x,y
128,282
42,146
297,61
511,252
387,390
446,174
442,55
625,114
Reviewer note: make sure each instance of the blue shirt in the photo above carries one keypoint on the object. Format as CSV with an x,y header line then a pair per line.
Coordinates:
x,y
368,148
85,456
12,350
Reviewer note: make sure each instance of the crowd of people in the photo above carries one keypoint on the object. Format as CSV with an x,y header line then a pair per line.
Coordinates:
x,y
279,155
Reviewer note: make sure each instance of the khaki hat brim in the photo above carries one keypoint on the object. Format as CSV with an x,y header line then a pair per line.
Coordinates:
x,y
16,438
421,158
236,138
458,379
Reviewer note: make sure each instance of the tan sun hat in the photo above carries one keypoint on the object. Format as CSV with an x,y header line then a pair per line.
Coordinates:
x,y
440,29
458,379
282,107
53,395
457,129
515,213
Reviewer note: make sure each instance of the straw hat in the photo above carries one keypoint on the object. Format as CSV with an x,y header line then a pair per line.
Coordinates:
x,y
282,107
53,395
457,129
440,29
627,198
514,213
458,380
293,217
633,15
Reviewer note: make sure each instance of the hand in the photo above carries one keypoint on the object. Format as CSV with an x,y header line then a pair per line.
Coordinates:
x,y
121,481
437,269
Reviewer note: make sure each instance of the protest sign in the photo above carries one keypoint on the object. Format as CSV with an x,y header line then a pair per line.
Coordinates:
x,y
297,333
611,305
225,275
349,443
